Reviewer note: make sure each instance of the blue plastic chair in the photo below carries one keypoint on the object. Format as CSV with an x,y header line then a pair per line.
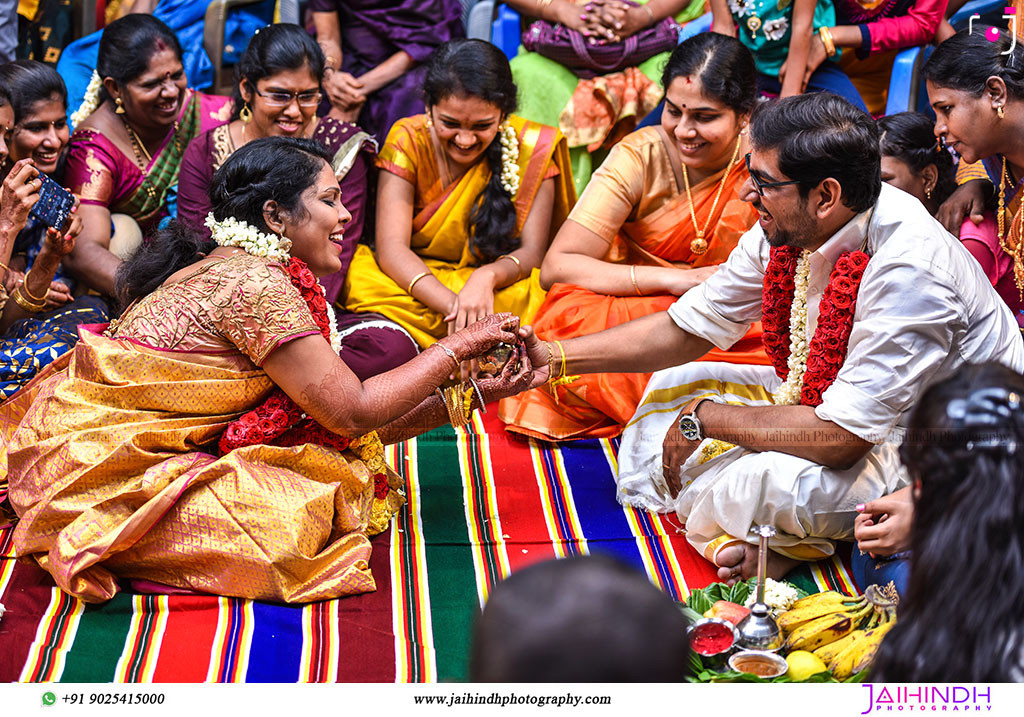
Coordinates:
x,y
906,87
506,30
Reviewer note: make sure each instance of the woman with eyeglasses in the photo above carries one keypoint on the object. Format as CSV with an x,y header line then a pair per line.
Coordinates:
x,y
277,95
130,134
658,216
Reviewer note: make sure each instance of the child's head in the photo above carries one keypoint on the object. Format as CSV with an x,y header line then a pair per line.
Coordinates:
x,y
582,619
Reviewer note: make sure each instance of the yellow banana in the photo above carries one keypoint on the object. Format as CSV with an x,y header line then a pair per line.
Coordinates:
x,y
823,630
829,652
868,647
800,614
830,596
842,664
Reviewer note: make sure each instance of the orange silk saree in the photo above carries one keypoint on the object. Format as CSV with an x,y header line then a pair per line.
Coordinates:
x,y
599,405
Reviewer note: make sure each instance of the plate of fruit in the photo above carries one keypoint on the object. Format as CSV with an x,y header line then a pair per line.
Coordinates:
x,y
828,636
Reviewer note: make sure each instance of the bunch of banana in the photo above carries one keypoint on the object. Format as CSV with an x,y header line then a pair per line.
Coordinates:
x,y
818,605
837,620
858,649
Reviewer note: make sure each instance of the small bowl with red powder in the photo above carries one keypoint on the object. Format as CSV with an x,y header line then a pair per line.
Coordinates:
x,y
713,638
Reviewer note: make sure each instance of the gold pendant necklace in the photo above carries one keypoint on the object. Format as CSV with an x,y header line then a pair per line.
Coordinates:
x,y
699,245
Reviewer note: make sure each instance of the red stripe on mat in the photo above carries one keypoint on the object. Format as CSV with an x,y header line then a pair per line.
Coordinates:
x,y
26,599
188,639
518,496
365,624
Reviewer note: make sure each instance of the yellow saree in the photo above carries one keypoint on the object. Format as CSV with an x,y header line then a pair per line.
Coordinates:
x,y
440,224
114,473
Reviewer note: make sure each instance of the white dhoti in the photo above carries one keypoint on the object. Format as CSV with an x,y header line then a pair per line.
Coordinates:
x,y
725,494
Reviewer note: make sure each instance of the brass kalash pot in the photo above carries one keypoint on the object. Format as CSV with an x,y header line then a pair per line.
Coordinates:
x,y
758,630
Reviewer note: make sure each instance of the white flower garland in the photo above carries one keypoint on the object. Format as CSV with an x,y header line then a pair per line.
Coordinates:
x,y
509,159
788,394
232,232
90,102
235,233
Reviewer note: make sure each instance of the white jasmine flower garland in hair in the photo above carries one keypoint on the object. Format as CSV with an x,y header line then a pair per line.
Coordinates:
x,y
90,102
235,233
788,394
232,232
509,159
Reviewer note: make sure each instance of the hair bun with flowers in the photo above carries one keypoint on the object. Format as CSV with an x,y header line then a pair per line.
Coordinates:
x,y
236,233
90,102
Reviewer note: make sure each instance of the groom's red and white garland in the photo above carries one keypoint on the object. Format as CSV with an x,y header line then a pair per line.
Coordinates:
x,y
808,367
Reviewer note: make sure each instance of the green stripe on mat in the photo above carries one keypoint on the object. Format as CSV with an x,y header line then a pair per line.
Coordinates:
x,y
450,570
99,641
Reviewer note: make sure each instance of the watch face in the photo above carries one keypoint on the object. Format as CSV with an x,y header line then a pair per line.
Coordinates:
x,y
689,427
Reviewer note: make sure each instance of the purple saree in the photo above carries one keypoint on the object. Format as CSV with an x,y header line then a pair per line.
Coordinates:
x,y
374,30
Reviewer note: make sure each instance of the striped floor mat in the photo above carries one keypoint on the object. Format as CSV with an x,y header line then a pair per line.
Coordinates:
x,y
482,503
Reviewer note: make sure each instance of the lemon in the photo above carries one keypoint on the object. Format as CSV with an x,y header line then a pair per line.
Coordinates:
x,y
803,664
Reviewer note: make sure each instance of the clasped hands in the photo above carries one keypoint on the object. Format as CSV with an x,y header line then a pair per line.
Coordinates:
x,y
526,368
607,20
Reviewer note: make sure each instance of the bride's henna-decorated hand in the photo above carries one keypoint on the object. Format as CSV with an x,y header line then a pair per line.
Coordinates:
x,y
482,335
515,377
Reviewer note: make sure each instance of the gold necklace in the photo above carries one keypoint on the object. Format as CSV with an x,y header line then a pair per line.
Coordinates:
x,y
137,145
699,244
1001,211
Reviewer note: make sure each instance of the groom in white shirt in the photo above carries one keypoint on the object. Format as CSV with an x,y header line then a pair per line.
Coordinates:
x,y
923,306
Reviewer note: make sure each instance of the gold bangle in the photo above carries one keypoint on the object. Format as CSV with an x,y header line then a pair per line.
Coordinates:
x,y
28,294
414,280
24,303
3,296
7,269
632,275
519,264
826,39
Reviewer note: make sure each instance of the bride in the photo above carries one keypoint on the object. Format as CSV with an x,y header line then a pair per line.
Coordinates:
x,y
212,439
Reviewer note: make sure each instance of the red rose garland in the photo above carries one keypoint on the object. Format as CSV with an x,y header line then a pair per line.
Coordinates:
x,y
279,422
827,349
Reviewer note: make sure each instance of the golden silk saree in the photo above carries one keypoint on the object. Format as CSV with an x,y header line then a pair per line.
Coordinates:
x,y
114,472
440,224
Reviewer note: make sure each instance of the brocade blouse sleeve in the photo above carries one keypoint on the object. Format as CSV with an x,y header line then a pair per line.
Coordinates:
x,y
254,306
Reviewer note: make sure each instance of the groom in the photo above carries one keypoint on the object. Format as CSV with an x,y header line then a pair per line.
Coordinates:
x,y
866,300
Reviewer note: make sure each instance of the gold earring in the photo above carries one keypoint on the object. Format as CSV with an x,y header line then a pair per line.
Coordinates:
x,y
928,192
999,112
245,114
430,118
120,106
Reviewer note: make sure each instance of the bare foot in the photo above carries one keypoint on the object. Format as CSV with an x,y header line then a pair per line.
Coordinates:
x,y
739,562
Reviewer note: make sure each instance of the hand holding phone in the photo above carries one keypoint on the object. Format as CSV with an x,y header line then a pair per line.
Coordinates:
x,y
54,205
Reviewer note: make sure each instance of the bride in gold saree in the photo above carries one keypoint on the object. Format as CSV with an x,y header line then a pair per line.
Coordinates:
x,y
211,439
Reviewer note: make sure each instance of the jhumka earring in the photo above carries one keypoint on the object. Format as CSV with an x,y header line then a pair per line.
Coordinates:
x,y
120,106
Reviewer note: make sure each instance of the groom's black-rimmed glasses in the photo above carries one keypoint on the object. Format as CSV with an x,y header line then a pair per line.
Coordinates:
x,y
760,185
